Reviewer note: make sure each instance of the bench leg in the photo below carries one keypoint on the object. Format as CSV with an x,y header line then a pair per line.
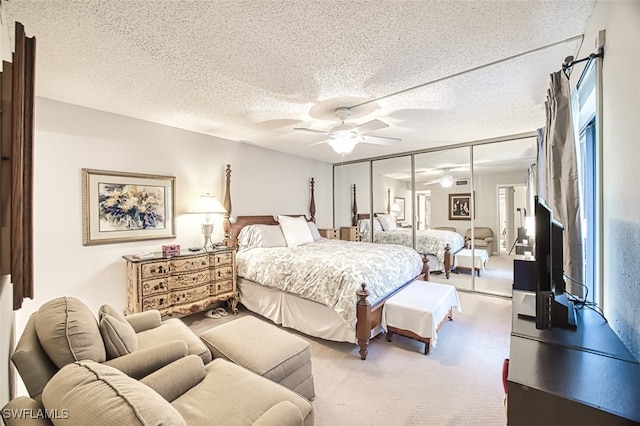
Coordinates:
x,y
389,336
426,348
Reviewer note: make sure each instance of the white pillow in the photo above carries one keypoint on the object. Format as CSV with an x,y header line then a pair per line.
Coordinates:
x,y
295,229
314,231
246,236
376,224
387,222
268,236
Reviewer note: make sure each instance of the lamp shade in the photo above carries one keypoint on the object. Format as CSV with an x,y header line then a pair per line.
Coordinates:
x,y
396,208
208,204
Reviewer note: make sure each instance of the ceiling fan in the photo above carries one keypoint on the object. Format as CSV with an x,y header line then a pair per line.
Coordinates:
x,y
344,137
446,180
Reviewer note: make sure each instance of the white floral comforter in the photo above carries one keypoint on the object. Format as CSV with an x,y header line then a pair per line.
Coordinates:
x,y
332,271
428,241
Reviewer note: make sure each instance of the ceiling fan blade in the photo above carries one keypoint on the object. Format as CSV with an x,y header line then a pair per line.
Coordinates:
x,y
380,141
304,129
310,145
382,138
370,126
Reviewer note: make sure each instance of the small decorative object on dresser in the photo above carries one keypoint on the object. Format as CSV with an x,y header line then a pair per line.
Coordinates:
x,y
170,249
349,233
330,233
181,284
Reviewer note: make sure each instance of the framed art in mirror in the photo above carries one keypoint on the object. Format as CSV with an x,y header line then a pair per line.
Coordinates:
x,y
460,206
400,214
121,207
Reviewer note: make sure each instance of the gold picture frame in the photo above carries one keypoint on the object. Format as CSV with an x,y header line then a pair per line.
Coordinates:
x,y
121,207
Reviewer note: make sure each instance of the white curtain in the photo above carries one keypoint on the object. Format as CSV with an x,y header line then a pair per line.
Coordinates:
x,y
558,176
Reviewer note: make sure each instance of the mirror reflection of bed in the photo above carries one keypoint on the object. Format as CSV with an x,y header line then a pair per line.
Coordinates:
x,y
418,178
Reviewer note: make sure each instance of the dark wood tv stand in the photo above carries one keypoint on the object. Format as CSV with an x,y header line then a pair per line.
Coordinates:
x,y
571,377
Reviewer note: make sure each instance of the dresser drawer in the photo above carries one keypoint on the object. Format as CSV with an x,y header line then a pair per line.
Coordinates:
x,y
222,273
159,285
154,269
192,294
222,258
159,301
178,266
188,280
223,286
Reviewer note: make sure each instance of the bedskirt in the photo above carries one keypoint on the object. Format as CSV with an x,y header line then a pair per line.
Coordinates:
x,y
287,309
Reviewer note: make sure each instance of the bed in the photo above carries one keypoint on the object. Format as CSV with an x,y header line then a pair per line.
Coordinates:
x,y
331,289
439,246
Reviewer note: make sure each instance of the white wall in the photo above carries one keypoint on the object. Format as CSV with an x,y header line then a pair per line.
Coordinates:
x,y
621,137
69,138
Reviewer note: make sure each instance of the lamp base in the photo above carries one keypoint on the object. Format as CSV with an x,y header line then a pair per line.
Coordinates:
x,y
207,230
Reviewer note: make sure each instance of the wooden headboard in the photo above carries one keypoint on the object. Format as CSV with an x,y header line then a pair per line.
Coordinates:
x,y
242,221
232,230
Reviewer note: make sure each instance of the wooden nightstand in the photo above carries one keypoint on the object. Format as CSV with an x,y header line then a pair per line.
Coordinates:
x,y
330,233
182,284
349,233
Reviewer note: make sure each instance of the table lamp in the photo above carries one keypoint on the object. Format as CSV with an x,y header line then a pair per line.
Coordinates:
x,y
395,210
208,204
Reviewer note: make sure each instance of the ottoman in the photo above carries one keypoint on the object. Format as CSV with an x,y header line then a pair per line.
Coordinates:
x,y
266,350
419,310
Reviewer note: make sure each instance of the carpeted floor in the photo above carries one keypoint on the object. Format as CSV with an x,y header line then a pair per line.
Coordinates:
x,y
459,383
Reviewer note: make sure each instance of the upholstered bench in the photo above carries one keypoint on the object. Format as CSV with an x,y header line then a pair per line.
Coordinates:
x,y
266,350
463,260
419,310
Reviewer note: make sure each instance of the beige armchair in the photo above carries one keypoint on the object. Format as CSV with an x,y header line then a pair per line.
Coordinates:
x,y
185,392
483,238
64,330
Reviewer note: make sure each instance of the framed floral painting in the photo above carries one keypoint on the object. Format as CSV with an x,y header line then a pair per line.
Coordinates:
x,y
120,207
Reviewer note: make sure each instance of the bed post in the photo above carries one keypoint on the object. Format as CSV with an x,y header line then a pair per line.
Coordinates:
x,y
388,200
363,321
312,206
226,224
425,267
354,209
447,261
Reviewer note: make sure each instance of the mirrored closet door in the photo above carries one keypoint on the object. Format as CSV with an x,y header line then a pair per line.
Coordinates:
x,y
443,199
467,209
500,175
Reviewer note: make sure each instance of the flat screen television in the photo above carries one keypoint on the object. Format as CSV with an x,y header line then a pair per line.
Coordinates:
x,y
553,308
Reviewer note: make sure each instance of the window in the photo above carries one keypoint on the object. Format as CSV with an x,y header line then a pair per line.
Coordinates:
x,y
590,187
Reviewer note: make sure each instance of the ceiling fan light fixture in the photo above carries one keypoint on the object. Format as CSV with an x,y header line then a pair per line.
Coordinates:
x,y
446,181
343,145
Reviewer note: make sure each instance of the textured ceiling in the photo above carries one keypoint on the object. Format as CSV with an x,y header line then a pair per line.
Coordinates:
x,y
253,70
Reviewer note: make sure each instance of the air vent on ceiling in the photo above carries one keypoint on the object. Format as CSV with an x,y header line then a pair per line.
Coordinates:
x,y
462,182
